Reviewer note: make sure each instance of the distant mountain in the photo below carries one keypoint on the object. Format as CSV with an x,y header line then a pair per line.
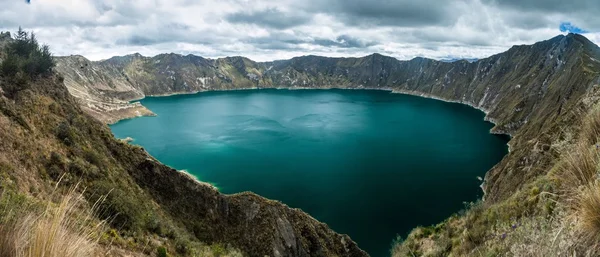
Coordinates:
x,y
458,59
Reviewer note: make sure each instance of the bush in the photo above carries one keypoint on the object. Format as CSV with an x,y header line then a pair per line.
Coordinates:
x,y
10,65
64,133
55,166
161,251
120,209
93,158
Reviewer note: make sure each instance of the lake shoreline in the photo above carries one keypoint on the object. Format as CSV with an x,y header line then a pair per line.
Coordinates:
x,y
391,90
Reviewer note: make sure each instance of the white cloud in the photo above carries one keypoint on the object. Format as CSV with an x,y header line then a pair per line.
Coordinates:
x,y
212,28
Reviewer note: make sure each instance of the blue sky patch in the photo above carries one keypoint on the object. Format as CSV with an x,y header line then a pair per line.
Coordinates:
x,y
568,27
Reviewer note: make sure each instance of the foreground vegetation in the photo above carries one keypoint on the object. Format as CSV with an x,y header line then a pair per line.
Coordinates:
x,y
67,228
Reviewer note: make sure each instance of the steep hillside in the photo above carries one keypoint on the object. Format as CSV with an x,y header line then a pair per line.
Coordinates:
x,y
46,137
536,93
101,90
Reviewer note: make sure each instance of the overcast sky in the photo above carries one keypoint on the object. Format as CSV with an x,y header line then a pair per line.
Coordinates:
x,y
267,30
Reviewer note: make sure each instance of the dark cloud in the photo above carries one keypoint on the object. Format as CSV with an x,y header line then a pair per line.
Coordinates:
x,y
345,41
399,13
440,37
276,41
280,41
584,11
558,6
525,20
167,33
271,17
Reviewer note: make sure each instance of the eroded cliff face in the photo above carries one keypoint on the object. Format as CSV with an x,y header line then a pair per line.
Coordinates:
x,y
524,91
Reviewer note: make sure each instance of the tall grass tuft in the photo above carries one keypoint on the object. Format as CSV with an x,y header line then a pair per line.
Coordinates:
x,y
580,178
587,213
579,167
66,229
590,132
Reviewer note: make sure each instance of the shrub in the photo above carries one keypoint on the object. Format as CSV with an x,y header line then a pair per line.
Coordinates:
x,y
24,54
77,167
182,247
218,250
24,59
10,65
55,166
64,133
93,158
121,207
161,251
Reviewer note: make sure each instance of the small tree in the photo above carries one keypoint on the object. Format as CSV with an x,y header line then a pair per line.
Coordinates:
x,y
10,65
24,59
30,58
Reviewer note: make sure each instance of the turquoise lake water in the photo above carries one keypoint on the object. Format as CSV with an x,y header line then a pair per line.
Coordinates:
x,y
370,164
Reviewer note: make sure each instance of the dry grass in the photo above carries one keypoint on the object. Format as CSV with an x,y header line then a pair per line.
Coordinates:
x,y
579,167
587,213
590,132
580,179
66,229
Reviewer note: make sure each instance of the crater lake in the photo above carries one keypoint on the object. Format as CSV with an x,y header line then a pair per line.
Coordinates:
x,y
370,164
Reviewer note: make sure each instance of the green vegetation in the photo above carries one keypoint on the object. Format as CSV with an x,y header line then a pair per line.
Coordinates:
x,y
161,251
24,59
